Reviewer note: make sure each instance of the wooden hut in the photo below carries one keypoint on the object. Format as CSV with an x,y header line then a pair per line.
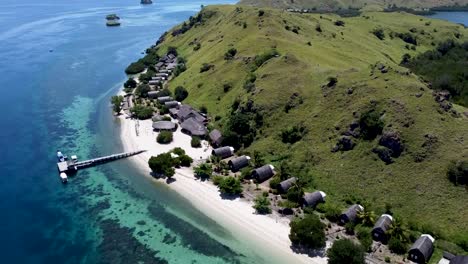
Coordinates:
x,y
171,104
223,152
350,215
216,137
163,99
193,128
313,199
284,186
459,260
238,163
164,126
379,232
263,173
421,251
152,94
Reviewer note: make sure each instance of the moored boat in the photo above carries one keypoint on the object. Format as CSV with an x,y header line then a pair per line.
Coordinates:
x,y
63,177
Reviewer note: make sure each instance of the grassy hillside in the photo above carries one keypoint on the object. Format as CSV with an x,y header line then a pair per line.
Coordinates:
x,y
335,4
368,77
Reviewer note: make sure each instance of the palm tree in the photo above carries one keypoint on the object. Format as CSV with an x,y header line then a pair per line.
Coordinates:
x,y
398,230
367,217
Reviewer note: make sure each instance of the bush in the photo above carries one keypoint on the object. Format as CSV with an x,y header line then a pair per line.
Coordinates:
x,y
230,185
345,251
227,87
229,55
318,28
457,172
397,246
164,137
195,142
178,151
203,109
339,23
203,171
116,101
308,232
172,50
379,33
370,124
142,90
264,57
408,38
197,46
162,164
142,112
332,211
262,204
130,83
261,13
180,93
206,67
365,237
295,194
180,68
135,67
274,182
185,160
293,134
332,81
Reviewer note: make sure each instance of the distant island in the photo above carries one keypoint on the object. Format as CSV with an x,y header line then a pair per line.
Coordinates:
x,y
146,2
112,20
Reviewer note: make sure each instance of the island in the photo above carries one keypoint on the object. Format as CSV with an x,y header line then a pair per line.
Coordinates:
x,y
310,132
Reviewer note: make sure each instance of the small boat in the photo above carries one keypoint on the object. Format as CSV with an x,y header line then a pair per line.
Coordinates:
x,y
63,177
60,156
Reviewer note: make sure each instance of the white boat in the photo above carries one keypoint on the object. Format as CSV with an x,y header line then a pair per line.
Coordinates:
x,y
63,177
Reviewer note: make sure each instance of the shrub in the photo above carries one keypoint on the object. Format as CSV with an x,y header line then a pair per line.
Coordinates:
x,y
262,204
261,13
370,124
185,160
197,46
178,151
162,164
408,38
130,83
397,246
457,172
318,28
379,33
293,134
164,137
116,101
142,112
332,81
180,93
203,109
339,23
345,251
195,142
227,87
274,182
135,67
264,57
365,237
308,232
349,227
229,55
332,211
172,50
180,68
295,194
206,67
203,171
142,90
230,185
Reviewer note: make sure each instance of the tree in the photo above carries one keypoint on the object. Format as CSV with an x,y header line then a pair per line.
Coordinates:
x,y
185,160
116,103
366,217
164,137
180,93
229,55
162,164
195,142
230,185
457,172
397,246
308,232
262,204
130,83
398,230
203,171
142,112
142,90
295,194
379,33
135,67
370,124
345,251
258,159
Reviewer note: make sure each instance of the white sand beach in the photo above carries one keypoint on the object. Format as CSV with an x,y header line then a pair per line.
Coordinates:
x,y
237,215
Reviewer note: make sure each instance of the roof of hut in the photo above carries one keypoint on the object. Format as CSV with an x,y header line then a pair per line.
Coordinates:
x,y
286,184
223,152
312,199
216,137
384,222
172,104
163,99
239,163
164,125
152,93
186,111
425,245
193,127
263,173
459,260
351,212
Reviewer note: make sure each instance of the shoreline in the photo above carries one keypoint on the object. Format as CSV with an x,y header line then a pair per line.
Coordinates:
x,y
237,216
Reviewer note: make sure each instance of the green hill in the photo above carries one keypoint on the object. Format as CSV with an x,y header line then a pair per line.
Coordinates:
x,y
333,74
345,4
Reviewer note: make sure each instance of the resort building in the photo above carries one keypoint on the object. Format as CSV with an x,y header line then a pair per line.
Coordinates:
x,y
164,126
186,111
171,104
164,99
284,186
313,199
421,251
223,152
351,215
379,232
193,128
216,138
238,163
263,173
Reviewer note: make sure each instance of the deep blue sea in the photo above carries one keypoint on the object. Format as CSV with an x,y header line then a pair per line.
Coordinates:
x,y
59,65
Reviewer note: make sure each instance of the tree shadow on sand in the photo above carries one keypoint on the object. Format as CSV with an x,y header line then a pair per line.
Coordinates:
x,y
228,196
308,251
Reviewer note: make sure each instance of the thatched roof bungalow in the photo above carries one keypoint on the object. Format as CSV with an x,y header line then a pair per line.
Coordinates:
x,y
421,251
164,126
223,152
263,173
162,74
193,128
163,99
379,232
152,94
238,163
351,215
154,82
172,104
459,260
216,138
313,199
284,186
186,111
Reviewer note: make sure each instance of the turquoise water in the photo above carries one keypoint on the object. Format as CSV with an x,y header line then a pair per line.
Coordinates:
x,y
456,17
60,64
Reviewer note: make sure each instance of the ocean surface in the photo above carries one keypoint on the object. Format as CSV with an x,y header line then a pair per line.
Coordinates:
x,y
456,17
59,66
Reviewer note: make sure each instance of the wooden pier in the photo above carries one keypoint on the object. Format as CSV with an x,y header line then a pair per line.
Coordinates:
x,y
73,166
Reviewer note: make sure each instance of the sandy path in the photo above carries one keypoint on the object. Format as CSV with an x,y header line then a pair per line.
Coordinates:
x,y
238,216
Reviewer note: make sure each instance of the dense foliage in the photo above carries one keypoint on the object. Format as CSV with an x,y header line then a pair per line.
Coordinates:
x,y
229,55
308,231
230,185
164,137
345,251
162,164
457,172
180,93
142,112
371,125
130,83
293,134
446,67
195,142
262,204
116,101
142,90
203,171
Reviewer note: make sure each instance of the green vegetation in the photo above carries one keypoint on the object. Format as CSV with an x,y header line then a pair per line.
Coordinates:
x,y
130,84
164,137
203,171
142,112
230,186
371,125
308,232
180,93
135,67
253,119
195,142
345,251
262,204
365,237
229,55
457,172
162,164
142,90
116,101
